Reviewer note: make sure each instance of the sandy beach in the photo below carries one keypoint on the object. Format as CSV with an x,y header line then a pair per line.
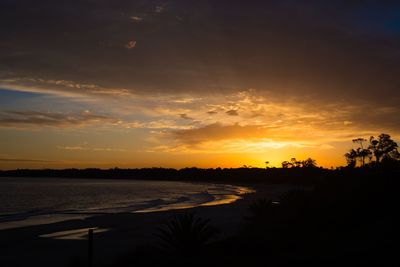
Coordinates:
x,y
57,244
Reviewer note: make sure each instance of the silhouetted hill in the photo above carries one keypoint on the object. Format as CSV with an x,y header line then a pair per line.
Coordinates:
x,y
244,175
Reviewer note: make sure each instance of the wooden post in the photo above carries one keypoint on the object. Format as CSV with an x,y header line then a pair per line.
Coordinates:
x,y
90,248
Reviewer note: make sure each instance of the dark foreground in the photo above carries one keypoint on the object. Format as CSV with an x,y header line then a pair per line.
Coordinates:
x,y
350,218
126,233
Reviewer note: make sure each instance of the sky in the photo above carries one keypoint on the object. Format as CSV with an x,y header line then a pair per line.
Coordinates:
x,y
118,83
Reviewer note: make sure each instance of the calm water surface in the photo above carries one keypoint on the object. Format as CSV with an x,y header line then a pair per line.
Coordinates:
x,y
30,201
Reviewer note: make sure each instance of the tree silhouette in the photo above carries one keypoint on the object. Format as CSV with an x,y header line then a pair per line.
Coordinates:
x,y
383,147
309,163
293,163
186,233
351,158
362,153
286,164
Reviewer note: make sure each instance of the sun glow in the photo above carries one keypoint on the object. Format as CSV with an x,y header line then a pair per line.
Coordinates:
x,y
204,130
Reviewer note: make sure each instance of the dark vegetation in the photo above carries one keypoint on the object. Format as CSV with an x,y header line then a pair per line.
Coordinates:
x,y
244,174
381,152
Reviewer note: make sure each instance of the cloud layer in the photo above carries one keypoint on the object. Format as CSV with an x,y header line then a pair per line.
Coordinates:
x,y
209,76
339,49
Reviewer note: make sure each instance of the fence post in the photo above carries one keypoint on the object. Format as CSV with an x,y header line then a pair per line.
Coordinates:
x,y
90,248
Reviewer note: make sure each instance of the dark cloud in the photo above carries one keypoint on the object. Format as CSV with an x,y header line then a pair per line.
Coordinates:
x,y
23,160
185,117
327,49
232,112
52,119
131,44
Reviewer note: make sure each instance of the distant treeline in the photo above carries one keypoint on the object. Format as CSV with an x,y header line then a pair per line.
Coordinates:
x,y
238,175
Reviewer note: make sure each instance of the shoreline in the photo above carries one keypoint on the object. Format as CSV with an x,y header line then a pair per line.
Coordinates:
x,y
216,194
119,233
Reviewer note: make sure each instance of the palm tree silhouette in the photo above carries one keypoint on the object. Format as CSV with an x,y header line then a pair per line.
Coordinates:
x,y
186,233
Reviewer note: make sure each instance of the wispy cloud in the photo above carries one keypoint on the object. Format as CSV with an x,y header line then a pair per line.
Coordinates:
x,y
51,119
87,148
61,87
159,9
136,18
157,125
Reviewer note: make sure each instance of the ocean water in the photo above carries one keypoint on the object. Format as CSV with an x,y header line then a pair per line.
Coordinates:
x,y
32,201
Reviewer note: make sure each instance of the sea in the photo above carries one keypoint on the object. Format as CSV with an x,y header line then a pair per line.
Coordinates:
x,y
34,201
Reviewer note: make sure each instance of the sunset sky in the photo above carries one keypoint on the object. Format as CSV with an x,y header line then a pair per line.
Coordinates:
x,y
118,83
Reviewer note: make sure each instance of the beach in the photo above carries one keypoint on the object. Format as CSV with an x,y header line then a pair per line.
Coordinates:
x,y
59,243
